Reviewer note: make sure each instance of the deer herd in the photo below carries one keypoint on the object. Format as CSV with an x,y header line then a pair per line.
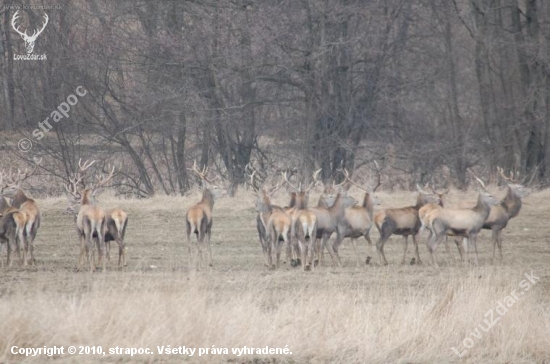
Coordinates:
x,y
303,230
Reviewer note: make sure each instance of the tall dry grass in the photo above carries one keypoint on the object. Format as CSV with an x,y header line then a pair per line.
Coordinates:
x,y
397,314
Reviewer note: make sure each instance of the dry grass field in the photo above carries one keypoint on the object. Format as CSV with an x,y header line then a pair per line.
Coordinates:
x,y
369,314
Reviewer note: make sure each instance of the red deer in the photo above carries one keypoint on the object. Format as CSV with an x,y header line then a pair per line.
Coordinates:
x,y
327,221
303,223
91,221
264,209
11,223
401,221
198,219
358,220
117,220
426,209
28,207
465,223
507,209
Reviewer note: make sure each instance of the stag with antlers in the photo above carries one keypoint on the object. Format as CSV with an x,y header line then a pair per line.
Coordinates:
x,y
465,223
358,220
29,39
28,208
91,222
303,228
198,219
501,214
264,209
401,221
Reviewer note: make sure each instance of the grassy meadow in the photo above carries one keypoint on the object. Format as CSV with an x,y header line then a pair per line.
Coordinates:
x,y
366,314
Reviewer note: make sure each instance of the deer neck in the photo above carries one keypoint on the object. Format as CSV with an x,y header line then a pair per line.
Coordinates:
x,y
207,198
87,199
3,204
266,204
301,201
292,200
482,207
19,198
337,209
420,201
367,204
511,203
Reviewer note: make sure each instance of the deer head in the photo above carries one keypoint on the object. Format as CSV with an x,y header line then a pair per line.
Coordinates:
x,y
78,193
29,40
10,182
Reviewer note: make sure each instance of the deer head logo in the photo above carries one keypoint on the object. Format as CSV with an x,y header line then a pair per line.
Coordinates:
x,y
29,40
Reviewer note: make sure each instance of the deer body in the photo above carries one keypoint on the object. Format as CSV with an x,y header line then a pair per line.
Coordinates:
x,y
465,223
401,221
328,220
357,222
117,221
91,220
12,223
29,209
90,224
278,230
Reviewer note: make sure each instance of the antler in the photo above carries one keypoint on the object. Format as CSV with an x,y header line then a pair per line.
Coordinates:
x,y
202,174
102,179
25,36
315,176
480,182
256,179
285,178
510,179
15,179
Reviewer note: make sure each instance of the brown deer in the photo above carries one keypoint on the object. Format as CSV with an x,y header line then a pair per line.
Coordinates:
x,y
465,223
117,220
303,222
264,209
327,222
358,220
26,206
12,223
426,209
500,214
91,222
401,221
198,219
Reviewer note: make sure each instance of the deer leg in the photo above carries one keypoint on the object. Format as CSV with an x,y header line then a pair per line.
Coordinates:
x,y
494,237
311,250
334,257
89,248
21,246
12,245
357,259
406,243
336,246
101,242
386,230
415,241
209,245
465,249
432,246
473,239
264,248
371,246
499,235
121,255
303,254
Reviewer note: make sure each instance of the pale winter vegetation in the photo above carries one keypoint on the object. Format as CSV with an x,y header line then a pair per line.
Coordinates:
x,y
345,315
126,107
